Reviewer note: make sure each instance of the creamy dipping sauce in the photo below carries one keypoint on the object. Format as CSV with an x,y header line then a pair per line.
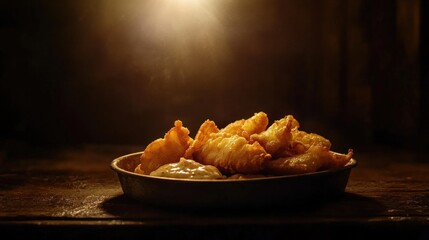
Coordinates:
x,y
187,168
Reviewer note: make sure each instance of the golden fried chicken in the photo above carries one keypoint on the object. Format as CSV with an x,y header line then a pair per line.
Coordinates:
x,y
277,137
316,158
245,148
203,135
165,150
308,140
283,138
256,124
232,154
339,160
246,127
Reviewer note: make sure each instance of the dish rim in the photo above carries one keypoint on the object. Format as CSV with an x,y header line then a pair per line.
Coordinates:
x,y
114,165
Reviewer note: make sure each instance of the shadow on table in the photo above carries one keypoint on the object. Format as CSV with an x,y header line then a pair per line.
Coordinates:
x,y
348,205
346,215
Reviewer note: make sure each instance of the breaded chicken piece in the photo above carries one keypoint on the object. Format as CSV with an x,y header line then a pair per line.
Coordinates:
x,y
309,139
165,150
256,124
283,138
301,141
246,127
203,135
232,154
317,158
339,160
277,137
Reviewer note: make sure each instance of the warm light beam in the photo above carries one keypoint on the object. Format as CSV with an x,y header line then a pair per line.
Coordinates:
x,y
189,32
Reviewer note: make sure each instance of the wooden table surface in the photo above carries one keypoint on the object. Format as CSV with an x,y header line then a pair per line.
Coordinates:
x,y
72,193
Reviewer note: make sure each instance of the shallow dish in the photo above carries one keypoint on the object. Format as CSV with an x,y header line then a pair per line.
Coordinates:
x,y
258,192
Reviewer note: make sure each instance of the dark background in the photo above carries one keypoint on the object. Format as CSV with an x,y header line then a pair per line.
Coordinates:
x,y
120,72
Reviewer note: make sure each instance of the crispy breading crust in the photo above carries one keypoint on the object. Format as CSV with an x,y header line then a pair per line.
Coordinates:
x,y
245,147
166,150
232,154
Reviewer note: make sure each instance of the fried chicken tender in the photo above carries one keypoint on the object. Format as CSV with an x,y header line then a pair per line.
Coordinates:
x,y
283,138
246,127
228,148
165,150
245,148
339,160
232,154
277,137
316,158
203,135
307,140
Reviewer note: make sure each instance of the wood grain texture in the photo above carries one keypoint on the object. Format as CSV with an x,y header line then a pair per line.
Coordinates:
x,y
76,189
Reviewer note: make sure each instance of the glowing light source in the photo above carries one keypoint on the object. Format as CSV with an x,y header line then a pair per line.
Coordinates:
x,y
189,32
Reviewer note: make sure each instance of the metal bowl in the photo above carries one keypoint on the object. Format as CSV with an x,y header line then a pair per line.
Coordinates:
x,y
258,192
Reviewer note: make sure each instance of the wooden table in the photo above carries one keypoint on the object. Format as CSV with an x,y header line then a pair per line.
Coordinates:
x,y
72,193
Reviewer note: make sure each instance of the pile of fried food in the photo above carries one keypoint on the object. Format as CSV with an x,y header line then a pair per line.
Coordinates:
x,y
243,149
